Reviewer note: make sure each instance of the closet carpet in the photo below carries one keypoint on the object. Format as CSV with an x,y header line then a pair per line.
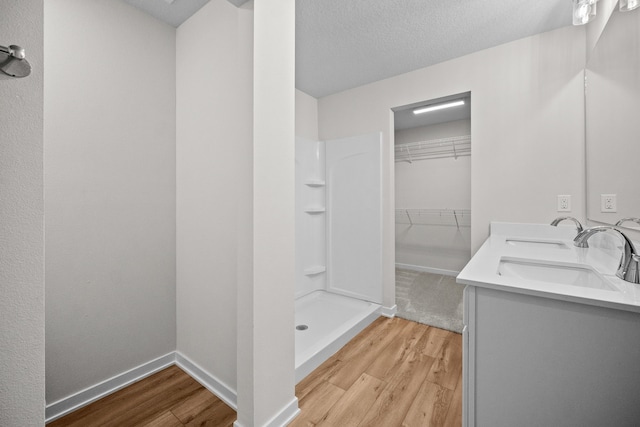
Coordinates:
x,y
430,299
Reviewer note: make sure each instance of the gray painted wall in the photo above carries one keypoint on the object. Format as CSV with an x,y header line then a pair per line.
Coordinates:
x,y
21,221
110,192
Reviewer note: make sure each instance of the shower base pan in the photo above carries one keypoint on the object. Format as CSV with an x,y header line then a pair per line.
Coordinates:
x,y
325,322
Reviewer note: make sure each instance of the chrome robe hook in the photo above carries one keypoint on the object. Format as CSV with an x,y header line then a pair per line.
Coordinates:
x,y
13,62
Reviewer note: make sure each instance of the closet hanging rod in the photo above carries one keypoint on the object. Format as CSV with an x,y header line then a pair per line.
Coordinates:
x,y
461,138
442,217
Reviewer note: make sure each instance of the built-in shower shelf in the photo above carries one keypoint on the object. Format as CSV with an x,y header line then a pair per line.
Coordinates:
x,y
314,210
314,183
316,269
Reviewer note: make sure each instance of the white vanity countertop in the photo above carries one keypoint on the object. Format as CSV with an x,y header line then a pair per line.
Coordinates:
x,y
482,270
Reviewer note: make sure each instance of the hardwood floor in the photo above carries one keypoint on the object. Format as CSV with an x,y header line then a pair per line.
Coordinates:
x,y
394,373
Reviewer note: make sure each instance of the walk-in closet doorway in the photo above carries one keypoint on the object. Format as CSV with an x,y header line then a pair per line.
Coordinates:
x,y
433,147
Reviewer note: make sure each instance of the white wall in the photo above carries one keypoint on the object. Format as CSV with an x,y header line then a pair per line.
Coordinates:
x,y
265,324
213,150
21,233
110,191
433,184
306,116
527,126
266,335
436,131
595,28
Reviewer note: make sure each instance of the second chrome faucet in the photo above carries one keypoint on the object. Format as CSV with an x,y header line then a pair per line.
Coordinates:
x,y
628,268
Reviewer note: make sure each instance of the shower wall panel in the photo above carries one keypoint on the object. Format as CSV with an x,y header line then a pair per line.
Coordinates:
x,y
310,217
354,216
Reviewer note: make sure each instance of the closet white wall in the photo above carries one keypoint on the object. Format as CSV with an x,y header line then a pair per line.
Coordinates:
x,y
436,244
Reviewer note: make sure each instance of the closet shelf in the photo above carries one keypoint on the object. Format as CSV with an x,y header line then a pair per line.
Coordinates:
x,y
316,269
314,210
459,146
314,183
443,217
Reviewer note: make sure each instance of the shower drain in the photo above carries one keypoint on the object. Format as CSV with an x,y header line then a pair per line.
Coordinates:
x,y
302,327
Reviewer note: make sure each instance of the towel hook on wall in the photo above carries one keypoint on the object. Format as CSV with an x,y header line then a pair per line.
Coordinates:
x,y
13,62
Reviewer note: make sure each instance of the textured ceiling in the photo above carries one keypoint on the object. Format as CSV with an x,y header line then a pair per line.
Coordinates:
x,y
341,44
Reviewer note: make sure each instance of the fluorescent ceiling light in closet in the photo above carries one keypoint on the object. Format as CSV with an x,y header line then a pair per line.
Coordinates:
x,y
439,106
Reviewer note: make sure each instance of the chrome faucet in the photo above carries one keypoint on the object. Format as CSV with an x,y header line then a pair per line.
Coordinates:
x,y
623,220
557,221
628,268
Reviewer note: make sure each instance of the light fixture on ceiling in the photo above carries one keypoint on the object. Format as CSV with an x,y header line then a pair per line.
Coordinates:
x,y
584,11
439,106
627,5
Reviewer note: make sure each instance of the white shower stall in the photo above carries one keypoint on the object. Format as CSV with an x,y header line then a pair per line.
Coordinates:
x,y
338,244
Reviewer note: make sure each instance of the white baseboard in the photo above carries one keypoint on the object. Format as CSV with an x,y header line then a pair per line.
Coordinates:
x,y
282,418
428,269
389,311
208,381
89,395
82,398
286,415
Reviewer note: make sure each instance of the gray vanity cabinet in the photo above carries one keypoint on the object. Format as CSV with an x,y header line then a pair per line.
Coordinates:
x,y
530,360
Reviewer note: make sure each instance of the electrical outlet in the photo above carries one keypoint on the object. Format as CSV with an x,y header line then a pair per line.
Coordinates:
x,y
564,203
608,203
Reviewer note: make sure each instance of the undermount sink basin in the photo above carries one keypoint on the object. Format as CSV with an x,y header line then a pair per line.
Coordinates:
x,y
559,274
531,243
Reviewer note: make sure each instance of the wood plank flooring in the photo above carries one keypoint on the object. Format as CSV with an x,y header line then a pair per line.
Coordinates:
x,y
394,373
